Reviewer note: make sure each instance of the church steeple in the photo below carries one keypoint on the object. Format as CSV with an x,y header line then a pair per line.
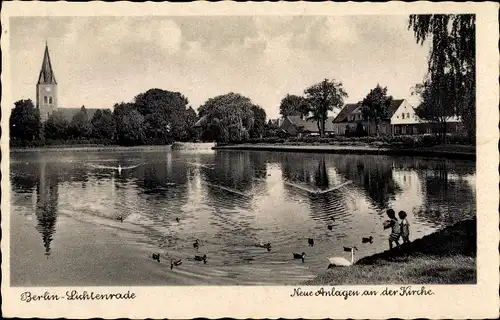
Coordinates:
x,y
46,88
46,73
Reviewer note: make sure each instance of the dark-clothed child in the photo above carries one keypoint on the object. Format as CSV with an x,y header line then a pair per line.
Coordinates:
x,y
404,226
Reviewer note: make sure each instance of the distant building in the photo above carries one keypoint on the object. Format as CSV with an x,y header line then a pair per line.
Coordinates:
x,y
295,125
46,93
401,119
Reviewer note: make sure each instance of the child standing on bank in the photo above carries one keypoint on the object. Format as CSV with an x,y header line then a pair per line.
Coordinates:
x,y
395,228
405,227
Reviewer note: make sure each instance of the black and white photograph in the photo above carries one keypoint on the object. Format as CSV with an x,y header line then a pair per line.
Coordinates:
x,y
244,150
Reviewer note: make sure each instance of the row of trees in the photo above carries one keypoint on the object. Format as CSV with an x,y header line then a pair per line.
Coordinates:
x,y
155,116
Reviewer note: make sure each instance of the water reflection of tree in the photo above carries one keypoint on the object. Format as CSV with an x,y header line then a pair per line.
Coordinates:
x,y
447,200
47,202
326,205
235,170
372,173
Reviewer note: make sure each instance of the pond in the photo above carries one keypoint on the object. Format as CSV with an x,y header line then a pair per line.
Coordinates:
x,y
76,220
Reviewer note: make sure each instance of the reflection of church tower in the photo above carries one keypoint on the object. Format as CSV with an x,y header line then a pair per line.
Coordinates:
x,y
46,206
46,88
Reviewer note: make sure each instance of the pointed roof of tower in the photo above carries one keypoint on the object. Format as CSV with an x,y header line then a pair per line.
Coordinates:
x,y
46,73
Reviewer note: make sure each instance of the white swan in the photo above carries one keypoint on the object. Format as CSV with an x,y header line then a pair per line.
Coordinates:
x,y
119,169
341,261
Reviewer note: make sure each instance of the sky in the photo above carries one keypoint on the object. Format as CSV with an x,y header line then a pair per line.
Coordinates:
x,y
100,61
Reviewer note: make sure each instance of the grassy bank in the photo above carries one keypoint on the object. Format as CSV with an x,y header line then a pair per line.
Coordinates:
x,y
444,257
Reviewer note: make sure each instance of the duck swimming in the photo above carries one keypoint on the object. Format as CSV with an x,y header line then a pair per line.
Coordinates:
x,y
156,256
196,244
200,258
175,263
330,226
120,219
310,241
177,219
367,240
299,256
264,245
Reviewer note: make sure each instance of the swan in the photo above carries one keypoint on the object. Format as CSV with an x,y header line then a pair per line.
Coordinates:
x,y
299,256
175,263
341,261
119,169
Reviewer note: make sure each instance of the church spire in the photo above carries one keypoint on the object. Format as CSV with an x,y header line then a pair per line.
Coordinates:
x,y
46,74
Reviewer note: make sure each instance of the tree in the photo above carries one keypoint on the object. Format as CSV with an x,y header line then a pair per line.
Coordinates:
x,y
191,119
56,127
229,117
375,106
80,124
451,63
129,124
103,125
164,112
433,109
259,124
25,121
293,105
323,97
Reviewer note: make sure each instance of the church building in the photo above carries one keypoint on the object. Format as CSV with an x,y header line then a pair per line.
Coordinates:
x,y
46,93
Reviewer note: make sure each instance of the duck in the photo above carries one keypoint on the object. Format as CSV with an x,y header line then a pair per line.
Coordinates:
x,y
156,256
196,244
330,226
299,256
177,219
310,241
120,219
366,240
175,263
341,261
265,246
200,258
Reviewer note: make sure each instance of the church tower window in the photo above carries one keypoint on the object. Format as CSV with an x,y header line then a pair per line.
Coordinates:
x,y
50,100
45,99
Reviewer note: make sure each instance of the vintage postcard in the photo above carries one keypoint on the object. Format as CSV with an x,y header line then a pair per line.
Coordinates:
x,y
248,160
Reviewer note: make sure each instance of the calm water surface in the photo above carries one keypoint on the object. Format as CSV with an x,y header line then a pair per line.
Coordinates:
x,y
65,207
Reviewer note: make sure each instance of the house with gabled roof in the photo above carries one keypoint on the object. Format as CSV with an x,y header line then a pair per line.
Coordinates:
x,y
401,119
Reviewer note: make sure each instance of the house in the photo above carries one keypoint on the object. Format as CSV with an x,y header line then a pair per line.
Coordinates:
x,y
297,125
401,119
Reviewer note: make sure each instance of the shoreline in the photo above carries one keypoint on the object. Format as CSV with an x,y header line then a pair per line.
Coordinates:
x,y
447,256
336,149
